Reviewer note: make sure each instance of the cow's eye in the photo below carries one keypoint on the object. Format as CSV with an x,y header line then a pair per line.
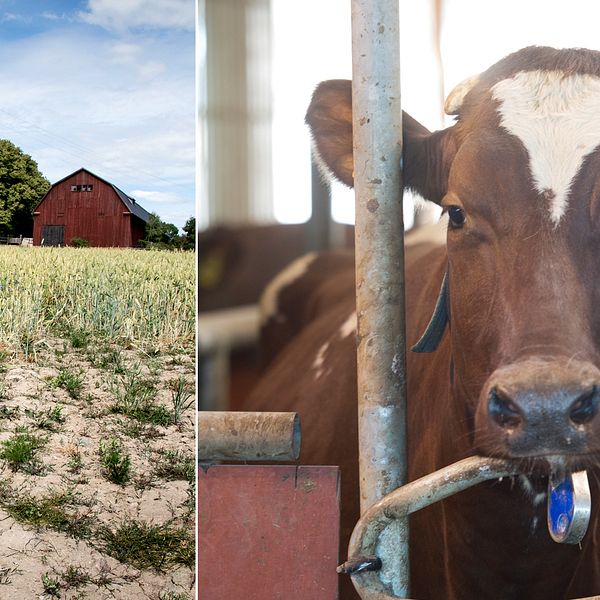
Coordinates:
x,y
456,215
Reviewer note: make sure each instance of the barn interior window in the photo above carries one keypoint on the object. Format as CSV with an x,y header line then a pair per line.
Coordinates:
x,y
74,188
82,188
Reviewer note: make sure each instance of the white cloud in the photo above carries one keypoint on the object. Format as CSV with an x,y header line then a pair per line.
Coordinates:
x,y
8,16
123,108
124,52
154,196
121,15
151,70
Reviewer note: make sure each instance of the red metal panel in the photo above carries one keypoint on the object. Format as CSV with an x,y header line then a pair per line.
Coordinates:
x,y
268,532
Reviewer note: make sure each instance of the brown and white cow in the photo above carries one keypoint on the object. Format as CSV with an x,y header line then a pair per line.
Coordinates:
x,y
517,373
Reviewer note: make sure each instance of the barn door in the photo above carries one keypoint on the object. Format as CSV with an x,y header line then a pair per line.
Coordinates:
x,y
53,235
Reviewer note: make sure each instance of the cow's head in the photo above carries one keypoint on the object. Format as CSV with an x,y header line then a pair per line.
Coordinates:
x,y
519,176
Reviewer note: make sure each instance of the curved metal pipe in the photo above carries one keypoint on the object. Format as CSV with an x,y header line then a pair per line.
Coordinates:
x,y
408,499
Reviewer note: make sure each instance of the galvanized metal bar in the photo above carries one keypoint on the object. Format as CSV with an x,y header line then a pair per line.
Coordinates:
x,y
377,132
366,538
243,436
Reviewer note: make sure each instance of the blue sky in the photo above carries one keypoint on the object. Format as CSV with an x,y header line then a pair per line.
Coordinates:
x,y
107,85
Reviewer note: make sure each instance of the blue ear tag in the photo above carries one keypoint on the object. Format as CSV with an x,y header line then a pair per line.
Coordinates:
x,y
569,507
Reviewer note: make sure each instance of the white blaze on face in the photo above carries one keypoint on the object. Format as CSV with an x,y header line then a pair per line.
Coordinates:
x,y
557,117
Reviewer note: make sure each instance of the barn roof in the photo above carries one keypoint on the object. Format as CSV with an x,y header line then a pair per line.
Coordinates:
x,y
128,201
131,203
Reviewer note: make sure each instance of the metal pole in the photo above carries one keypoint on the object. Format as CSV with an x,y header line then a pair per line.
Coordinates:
x,y
377,132
248,436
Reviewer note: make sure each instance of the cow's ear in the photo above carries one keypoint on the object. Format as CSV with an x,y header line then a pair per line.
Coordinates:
x,y
329,117
427,156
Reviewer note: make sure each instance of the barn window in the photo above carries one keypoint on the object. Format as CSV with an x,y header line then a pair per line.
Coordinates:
x,y
87,188
75,188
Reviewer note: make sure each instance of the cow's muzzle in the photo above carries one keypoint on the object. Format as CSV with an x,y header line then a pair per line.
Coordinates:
x,y
536,408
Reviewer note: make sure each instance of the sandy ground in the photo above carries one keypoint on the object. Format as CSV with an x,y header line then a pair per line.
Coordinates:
x,y
39,562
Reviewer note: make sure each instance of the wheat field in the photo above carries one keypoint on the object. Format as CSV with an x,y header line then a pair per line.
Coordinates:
x,y
126,296
97,423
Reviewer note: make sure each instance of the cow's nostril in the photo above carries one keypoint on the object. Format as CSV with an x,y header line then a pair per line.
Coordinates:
x,y
585,407
503,410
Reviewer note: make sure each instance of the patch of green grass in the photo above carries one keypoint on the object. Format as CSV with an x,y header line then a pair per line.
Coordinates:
x,y
50,420
190,502
59,511
110,359
181,397
74,577
70,380
9,413
116,464
75,463
20,451
135,398
51,585
29,343
176,465
155,366
136,430
79,338
147,546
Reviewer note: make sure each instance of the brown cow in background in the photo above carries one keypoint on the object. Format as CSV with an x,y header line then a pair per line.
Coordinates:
x,y
235,263
517,372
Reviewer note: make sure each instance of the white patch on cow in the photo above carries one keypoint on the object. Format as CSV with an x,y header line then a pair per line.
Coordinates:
x,y
536,499
320,360
270,297
348,326
557,117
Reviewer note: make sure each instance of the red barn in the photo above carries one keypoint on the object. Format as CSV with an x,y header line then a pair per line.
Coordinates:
x,y
85,206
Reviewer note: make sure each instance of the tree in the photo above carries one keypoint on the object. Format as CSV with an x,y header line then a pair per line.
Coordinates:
x,y
188,239
159,234
22,186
